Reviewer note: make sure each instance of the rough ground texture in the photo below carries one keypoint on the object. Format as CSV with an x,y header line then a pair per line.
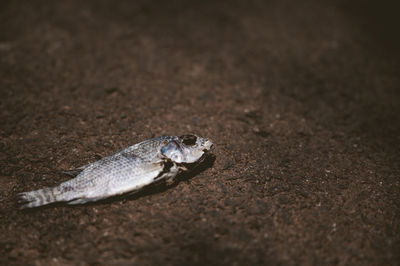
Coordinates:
x,y
301,99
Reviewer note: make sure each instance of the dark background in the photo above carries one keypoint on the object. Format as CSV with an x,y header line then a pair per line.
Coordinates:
x,y
300,97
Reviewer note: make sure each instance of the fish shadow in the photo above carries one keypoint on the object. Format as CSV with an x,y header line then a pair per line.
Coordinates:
x,y
154,188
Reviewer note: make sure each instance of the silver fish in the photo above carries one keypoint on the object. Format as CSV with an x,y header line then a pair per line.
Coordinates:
x,y
127,170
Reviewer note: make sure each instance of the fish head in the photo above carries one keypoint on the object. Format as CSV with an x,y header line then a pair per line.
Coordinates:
x,y
186,148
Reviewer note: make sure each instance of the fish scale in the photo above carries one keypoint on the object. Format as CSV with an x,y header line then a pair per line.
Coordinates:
x,y
127,170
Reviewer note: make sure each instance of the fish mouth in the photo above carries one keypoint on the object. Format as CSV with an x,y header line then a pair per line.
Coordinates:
x,y
208,145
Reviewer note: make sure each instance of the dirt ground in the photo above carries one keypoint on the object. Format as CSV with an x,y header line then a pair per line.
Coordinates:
x,y
301,98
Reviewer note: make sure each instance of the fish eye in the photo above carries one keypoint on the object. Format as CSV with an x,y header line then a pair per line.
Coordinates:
x,y
189,140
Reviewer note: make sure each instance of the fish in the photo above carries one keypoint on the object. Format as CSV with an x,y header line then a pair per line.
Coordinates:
x,y
126,171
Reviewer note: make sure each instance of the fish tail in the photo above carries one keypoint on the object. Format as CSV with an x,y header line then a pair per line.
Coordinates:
x,y
39,197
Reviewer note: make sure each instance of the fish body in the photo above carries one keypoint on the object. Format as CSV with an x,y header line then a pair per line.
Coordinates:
x,y
127,170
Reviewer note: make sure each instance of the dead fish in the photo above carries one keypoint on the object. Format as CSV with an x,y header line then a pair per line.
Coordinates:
x,y
127,170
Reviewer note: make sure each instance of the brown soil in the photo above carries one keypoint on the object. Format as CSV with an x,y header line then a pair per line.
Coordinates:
x,y
301,98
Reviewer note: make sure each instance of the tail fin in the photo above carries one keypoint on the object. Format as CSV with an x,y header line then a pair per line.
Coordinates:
x,y
39,197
